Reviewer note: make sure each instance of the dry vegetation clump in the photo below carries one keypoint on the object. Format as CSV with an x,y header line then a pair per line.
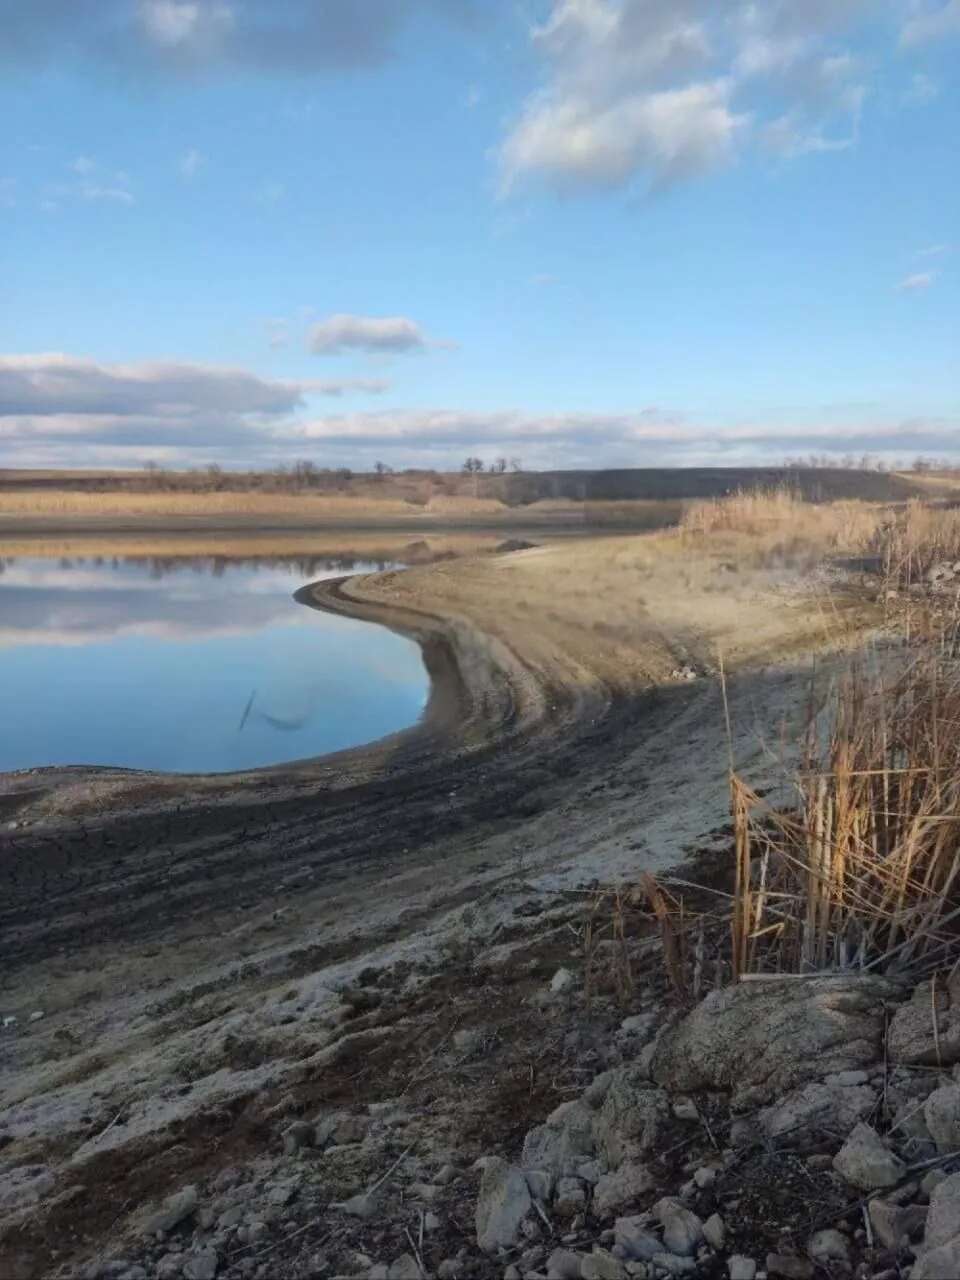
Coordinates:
x,y
781,514
916,541
863,873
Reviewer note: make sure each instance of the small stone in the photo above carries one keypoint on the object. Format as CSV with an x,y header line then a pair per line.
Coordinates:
x,y
570,1198
865,1162
562,980
503,1203
450,1268
563,1265
175,1208
682,1229
674,1264
632,1235
445,1175
37,1015
705,1177
789,1266
431,1222
598,1089
740,1267
619,1190
202,1265
714,1231
405,1267
828,1246
686,1109
297,1136
601,1265
363,1206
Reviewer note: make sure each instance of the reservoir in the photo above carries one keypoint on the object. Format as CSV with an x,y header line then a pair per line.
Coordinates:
x,y
198,661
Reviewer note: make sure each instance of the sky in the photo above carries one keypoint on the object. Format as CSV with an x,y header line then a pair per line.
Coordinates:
x,y
578,233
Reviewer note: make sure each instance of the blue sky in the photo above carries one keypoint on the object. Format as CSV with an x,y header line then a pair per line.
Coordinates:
x,y
578,232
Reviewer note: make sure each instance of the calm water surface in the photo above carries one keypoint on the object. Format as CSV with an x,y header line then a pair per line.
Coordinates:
x,y
190,663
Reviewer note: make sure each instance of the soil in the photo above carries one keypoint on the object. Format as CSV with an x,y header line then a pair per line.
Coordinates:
x,y
186,937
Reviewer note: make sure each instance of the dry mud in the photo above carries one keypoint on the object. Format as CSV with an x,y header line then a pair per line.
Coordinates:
x,y
187,939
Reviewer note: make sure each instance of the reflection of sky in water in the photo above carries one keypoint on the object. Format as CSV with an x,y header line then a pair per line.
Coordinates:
x,y
152,666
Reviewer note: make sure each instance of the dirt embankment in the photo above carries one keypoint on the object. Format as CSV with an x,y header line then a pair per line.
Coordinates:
x,y
161,924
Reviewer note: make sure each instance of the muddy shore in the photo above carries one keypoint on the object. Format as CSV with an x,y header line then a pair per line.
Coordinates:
x,y
157,921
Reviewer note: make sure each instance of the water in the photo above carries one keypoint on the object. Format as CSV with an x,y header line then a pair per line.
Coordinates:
x,y
190,663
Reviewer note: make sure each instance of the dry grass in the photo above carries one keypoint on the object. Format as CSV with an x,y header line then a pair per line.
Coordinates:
x,y
916,540
41,503
782,514
863,872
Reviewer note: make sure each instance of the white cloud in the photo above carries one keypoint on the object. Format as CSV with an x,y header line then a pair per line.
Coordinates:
x,y
934,251
380,334
93,191
83,165
920,280
191,162
644,88
921,91
931,21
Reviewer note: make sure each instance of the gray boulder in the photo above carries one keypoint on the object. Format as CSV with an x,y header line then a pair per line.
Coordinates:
x,y
559,1145
941,1114
911,1039
865,1162
632,1236
940,1255
619,1190
682,1229
817,1106
173,1211
632,1118
761,1039
502,1205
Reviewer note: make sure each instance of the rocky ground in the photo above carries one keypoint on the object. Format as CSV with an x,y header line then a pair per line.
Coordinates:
x,y
370,1017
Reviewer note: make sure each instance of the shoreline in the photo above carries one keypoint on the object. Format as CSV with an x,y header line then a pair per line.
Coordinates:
x,y
161,923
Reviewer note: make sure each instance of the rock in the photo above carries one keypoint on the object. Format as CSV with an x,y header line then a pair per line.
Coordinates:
x,y
405,1267
674,1263
445,1175
705,1177
364,1206
640,1026
686,1109
930,1181
865,1162
941,1115
601,1265
563,1265
468,1040
816,1107
682,1229
620,1189
828,1246
632,1236
36,1016
297,1136
570,1198
943,1216
503,1203
450,1269
170,1266
596,1091
942,1263
758,1040
788,1266
911,1039
562,1142
563,980
715,1231
741,1268
281,1193
632,1118
175,1208
540,1184
202,1265
891,1222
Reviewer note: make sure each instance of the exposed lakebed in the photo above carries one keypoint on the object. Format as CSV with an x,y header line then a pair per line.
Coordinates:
x,y
199,662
